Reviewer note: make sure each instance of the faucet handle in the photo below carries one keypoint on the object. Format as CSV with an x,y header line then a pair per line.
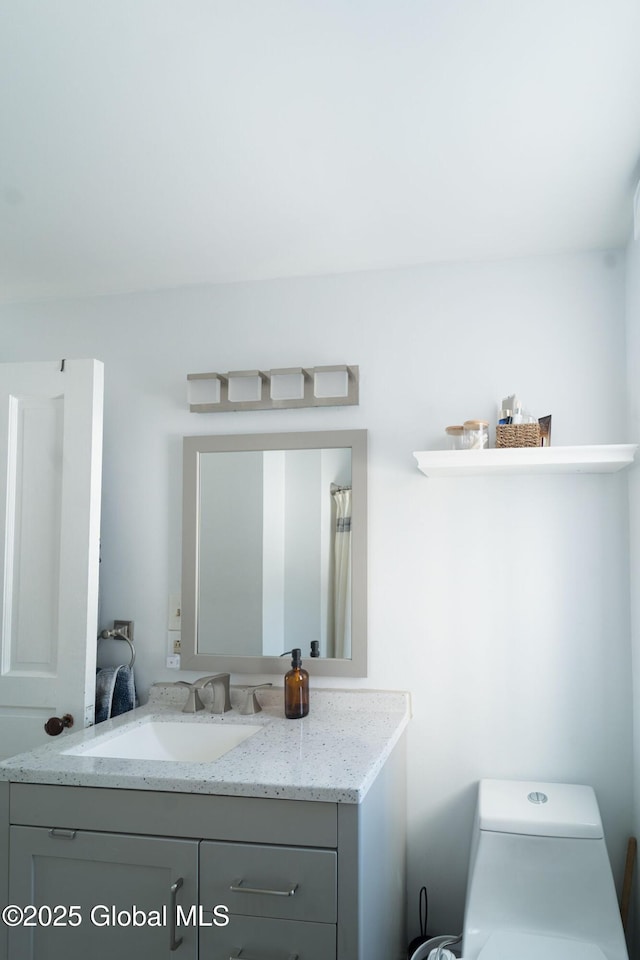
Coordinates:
x,y
251,704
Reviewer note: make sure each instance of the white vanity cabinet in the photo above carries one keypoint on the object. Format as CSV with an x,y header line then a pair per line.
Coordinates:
x,y
311,879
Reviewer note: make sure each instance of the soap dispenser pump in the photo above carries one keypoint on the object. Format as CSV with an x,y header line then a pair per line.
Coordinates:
x,y
296,689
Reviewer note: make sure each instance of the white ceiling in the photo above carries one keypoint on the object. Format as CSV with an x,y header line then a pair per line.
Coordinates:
x,y
155,143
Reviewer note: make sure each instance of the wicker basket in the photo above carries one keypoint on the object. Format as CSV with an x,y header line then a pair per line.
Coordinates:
x,y
518,435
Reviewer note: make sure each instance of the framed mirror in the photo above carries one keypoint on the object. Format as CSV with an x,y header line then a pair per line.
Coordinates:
x,y
274,552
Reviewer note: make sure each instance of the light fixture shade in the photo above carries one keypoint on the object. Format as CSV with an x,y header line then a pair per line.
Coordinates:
x,y
274,389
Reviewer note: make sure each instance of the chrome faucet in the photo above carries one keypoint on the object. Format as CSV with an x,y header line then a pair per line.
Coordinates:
x,y
219,683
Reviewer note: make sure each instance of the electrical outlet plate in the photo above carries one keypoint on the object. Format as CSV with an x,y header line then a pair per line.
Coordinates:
x,y
125,627
173,642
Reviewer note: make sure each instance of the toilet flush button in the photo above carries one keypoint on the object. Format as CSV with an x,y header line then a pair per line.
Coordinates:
x,y
537,797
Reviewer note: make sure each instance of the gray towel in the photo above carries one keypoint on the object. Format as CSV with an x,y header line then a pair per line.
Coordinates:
x,y
115,692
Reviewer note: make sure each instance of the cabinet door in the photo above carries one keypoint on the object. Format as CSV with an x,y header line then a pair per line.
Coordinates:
x,y
257,938
108,877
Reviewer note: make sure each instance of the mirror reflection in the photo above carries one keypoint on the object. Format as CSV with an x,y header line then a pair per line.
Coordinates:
x,y
274,557
274,552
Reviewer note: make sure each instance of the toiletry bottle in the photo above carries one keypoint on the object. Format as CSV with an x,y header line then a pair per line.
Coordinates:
x,y
296,689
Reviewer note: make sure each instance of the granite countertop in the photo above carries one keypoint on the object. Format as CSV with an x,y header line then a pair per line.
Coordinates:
x,y
333,754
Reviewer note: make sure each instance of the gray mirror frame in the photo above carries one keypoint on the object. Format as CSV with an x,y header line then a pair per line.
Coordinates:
x,y
192,448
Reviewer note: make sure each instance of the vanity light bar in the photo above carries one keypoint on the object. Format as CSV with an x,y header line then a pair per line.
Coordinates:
x,y
329,386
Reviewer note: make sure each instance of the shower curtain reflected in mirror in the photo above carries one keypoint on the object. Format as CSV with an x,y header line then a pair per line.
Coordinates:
x,y
341,497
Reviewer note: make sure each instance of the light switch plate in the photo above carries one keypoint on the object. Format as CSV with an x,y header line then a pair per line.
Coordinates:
x,y
175,612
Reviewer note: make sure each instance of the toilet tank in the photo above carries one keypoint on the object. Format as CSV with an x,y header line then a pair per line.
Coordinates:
x,y
539,865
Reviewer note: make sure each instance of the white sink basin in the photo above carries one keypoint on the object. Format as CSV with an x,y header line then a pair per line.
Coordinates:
x,y
169,740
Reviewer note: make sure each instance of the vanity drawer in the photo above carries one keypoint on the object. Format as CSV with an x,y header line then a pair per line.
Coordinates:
x,y
261,939
292,883
252,819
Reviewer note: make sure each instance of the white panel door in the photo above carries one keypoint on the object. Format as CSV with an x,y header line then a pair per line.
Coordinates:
x,y
50,482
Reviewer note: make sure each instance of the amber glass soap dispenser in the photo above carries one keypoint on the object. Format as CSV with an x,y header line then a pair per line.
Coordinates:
x,y
296,689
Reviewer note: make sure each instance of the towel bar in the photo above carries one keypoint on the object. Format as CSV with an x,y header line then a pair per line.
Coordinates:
x,y
116,635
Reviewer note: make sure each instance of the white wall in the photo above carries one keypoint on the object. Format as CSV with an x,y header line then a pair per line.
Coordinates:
x,y
302,571
633,372
230,549
502,604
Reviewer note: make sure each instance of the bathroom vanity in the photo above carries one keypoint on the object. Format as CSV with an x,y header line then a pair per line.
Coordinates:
x,y
290,845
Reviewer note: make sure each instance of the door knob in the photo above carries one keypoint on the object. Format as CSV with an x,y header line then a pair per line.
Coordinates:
x,y
56,725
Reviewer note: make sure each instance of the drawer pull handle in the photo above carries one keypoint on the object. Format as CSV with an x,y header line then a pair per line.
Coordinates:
x,y
57,834
238,887
173,943
239,955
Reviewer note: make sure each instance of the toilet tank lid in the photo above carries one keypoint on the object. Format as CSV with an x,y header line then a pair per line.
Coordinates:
x,y
539,809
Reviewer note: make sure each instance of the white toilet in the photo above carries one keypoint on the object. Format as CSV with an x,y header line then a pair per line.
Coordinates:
x,y
540,885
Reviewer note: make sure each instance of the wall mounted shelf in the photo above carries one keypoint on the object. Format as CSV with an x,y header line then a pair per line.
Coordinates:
x,y
605,458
